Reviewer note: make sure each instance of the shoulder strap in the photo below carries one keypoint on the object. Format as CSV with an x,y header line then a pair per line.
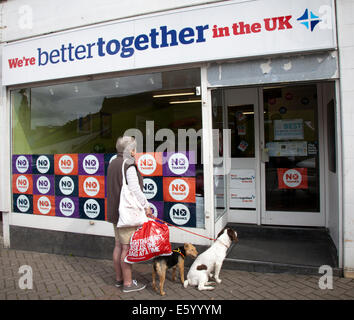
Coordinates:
x,y
123,175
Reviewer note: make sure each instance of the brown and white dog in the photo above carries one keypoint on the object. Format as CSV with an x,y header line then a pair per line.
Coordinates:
x,y
210,261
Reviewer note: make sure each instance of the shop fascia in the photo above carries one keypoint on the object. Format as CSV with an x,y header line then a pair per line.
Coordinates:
x,y
206,33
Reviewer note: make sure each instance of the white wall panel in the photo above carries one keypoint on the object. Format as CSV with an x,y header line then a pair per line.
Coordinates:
x,y
24,18
345,23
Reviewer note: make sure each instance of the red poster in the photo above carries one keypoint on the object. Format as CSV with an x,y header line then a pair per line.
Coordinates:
x,y
44,205
149,163
295,178
179,189
22,183
91,187
66,164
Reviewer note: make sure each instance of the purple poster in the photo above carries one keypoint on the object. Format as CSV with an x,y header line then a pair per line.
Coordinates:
x,y
21,164
43,184
91,164
179,164
67,207
157,208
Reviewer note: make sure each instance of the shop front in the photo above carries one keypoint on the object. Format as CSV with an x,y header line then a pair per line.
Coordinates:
x,y
64,137
234,107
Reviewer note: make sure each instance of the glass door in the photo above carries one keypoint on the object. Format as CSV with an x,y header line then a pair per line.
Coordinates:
x,y
241,120
291,156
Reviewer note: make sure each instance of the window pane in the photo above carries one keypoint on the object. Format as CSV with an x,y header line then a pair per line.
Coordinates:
x,y
291,135
163,108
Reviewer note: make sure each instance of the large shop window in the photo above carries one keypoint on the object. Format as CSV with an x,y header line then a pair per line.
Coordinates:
x,y
63,137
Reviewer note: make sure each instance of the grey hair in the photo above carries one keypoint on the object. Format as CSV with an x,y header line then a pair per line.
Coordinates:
x,y
125,145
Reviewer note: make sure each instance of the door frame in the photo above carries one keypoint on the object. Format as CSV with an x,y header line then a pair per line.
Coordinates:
x,y
296,218
239,215
285,218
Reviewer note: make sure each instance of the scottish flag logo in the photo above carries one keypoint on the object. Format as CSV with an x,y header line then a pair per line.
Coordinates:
x,y
309,20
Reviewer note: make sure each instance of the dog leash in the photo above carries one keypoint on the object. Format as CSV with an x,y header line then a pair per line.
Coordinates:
x,y
171,225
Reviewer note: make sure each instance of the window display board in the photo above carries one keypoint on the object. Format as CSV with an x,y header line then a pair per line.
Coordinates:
x,y
74,185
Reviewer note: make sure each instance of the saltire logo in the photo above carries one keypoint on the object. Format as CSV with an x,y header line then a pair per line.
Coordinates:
x,y
309,20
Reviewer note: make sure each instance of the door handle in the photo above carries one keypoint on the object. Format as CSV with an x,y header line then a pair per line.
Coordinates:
x,y
264,155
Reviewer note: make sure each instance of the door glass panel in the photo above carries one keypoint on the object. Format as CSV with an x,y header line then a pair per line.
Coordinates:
x,y
291,141
241,124
242,176
218,154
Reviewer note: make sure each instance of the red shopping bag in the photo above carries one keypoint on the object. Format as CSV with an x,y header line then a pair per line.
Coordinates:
x,y
149,241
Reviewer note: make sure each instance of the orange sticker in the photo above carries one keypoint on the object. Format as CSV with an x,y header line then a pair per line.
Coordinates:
x,y
179,189
149,163
91,187
66,164
292,178
44,205
22,183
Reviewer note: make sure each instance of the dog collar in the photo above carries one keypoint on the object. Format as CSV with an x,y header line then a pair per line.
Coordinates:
x,y
224,244
179,251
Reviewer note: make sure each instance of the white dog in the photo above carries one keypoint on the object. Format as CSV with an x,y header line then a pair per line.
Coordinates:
x,y
210,261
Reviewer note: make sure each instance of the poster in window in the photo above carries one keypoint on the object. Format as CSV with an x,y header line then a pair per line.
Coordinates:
x,y
179,164
44,205
295,178
67,207
21,164
179,189
180,214
149,163
23,203
22,183
289,129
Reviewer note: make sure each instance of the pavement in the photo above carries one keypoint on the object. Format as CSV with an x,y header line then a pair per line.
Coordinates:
x,y
65,277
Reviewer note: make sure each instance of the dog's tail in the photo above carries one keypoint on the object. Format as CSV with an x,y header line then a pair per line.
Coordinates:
x,y
185,283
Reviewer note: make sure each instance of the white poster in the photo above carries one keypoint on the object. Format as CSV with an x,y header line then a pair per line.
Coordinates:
x,y
287,149
242,198
242,178
225,30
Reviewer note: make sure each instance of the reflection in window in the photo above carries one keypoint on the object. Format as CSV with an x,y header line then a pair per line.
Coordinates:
x,y
86,117
241,124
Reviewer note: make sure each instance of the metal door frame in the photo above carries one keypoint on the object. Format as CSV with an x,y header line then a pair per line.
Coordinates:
x,y
239,215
